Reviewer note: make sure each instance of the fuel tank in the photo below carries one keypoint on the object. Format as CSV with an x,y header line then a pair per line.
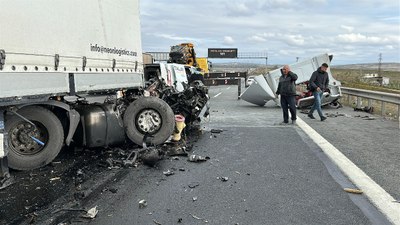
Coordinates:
x,y
100,126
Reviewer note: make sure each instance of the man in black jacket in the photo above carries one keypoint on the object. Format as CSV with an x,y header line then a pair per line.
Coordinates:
x,y
318,83
287,90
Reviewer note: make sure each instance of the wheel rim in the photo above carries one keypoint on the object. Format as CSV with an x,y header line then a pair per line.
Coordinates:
x,y
148,121
21,141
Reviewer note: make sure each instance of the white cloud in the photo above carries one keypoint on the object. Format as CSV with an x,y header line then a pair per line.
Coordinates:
x,y
363,39
347,28
297,39
257,38
390,47
175,38
238,9
228,40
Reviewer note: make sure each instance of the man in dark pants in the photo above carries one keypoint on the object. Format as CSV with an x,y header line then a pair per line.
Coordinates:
x,y
318,83
287,90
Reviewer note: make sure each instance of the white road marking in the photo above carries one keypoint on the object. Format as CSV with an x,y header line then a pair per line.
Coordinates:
x,y
228,88
375,193
217,95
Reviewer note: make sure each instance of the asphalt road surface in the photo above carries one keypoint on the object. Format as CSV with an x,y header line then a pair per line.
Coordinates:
x,y
275,175
258,172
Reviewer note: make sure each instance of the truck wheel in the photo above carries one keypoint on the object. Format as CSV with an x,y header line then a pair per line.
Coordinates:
x,y
24,152
149,115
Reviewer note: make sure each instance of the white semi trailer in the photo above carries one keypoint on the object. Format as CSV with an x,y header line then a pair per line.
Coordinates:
x,y
72,71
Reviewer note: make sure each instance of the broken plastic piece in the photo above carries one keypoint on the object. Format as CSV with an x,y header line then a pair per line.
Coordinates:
x,y
197,158
168,173
224,179
142,203
91,213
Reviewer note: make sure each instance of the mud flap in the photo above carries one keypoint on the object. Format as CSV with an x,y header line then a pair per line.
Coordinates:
x,y
5,178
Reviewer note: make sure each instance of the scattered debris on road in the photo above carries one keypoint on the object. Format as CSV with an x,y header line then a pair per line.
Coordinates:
x,y
368,109
142,204
168,173
223,179
55,178
197,158
156,222
198,218
194,198
193,184
216,131
91,213
354,191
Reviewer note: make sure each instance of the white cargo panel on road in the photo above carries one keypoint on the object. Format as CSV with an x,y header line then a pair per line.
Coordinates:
x,y
33,32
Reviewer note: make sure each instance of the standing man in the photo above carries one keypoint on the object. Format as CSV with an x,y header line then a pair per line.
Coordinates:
x,y
287,90
318,83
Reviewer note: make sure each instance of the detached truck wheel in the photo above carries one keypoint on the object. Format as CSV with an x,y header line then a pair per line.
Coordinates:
x,y
149,115
31,146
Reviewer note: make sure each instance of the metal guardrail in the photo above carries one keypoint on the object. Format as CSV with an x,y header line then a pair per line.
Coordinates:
x,y
374,95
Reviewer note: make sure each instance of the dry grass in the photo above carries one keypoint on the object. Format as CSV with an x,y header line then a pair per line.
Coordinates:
x,y
351,78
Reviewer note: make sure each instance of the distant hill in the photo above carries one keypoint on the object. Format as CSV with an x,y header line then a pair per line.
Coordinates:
x,y
238,67
371,66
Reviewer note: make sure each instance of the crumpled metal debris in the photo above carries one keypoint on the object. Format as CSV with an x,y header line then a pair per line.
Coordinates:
x,y
142,203
197,158
91,213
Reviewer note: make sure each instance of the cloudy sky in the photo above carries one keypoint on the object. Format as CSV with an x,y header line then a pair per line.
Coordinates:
x,y
354,31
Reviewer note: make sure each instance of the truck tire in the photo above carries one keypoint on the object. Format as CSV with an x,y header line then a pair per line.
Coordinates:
x,y
149,115
24,152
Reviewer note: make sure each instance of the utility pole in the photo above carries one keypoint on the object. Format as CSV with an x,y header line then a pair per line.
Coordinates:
x,y
380,64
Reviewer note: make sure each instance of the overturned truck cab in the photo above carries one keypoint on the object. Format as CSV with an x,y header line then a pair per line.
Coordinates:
x,y
263,87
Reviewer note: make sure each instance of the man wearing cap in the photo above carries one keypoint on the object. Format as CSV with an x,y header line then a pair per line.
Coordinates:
x,y
318,83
